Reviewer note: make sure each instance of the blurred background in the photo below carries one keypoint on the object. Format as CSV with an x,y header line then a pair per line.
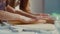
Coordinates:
x,y
47,6
37,6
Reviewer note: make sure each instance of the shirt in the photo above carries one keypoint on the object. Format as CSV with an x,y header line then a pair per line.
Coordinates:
x,y
3,5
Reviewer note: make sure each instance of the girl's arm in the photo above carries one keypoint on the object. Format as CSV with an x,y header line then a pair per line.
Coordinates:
x,y
12,10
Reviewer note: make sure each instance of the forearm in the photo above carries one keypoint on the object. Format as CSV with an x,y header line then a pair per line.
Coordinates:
x,y
14,17
25,14
12,10
10,17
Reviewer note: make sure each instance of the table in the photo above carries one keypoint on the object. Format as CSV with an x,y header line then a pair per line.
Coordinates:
x,y
46,27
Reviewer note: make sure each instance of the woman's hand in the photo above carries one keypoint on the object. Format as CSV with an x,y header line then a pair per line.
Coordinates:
x,y
46,17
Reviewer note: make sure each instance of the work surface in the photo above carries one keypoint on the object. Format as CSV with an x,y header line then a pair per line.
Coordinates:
x,y
43,28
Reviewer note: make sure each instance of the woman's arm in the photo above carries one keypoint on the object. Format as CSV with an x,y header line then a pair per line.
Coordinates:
x,y
14,17
12,10
25,14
